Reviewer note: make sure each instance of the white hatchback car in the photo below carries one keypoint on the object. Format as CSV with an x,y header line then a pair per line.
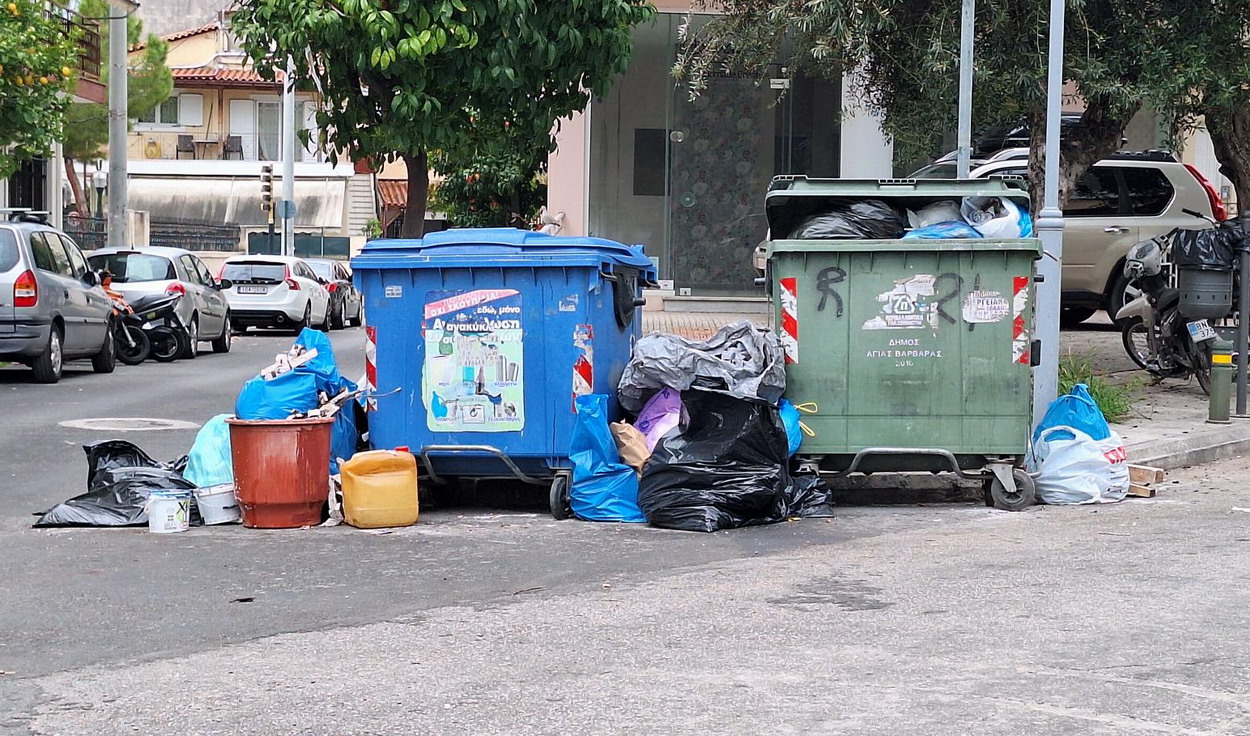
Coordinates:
x,y
275,291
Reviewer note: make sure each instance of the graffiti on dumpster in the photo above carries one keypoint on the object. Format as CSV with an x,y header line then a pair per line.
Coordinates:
x,y
474,377
911,304
825,281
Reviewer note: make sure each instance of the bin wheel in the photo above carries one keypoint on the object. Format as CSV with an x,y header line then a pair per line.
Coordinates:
x,y
1024,497
560,497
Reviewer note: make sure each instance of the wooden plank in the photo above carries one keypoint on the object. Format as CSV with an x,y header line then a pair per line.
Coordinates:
x,y
1141,491
1144,474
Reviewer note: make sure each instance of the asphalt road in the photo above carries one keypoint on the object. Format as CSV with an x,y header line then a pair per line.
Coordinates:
x,y
1123,619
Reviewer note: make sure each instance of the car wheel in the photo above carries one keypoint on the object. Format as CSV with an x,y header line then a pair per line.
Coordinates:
x,y
1073,316
325,323
222,343
359,317
191,347
340,316
307,320
106,360
49,364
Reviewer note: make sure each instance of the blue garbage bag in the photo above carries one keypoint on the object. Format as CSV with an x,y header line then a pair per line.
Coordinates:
x,y
323,366
343,437
278,397
790,419
209,462
603,488
943,231
1076,409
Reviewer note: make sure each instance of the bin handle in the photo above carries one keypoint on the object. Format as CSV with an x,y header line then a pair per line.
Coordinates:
x,y
457,449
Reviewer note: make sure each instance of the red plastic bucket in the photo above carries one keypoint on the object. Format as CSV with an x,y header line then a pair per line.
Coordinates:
x,y
281,470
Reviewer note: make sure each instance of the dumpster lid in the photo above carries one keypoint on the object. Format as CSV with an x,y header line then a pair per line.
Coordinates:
x,y
791,198
486,246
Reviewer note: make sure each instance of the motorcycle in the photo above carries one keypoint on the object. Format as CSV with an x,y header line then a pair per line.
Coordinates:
x,y
157,316
1155,334
133,345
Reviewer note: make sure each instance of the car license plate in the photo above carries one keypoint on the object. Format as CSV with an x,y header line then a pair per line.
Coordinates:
x,y
253,289
1200,331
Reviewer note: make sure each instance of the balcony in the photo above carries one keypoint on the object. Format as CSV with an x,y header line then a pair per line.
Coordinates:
x,y
88,33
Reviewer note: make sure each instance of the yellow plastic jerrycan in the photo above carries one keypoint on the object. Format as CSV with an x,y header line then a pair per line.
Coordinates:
x,y
380,489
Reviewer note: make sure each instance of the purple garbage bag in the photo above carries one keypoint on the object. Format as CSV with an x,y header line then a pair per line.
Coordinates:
x,y
662,413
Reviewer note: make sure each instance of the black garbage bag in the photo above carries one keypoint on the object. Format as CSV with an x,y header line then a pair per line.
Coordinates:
x,y
1205,250
867,219
120,477
727,468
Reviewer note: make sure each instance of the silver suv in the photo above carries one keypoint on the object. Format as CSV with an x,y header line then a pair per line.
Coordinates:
x,y
1119,202
52,307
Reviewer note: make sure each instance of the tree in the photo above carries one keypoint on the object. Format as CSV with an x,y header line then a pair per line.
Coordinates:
x,y
493,190
905,54
37,54
404,78
148,85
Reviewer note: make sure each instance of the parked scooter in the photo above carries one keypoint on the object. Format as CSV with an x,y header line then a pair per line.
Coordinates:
x,y
158,317
132,343
1156,335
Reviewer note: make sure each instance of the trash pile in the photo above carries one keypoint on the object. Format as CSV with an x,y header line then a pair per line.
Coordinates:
x,y
873,219
708,448
269,465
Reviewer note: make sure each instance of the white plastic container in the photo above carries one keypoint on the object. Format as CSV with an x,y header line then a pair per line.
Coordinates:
x,y
218,504
169,512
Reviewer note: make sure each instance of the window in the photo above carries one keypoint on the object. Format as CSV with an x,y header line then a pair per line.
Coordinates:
x,y
1149,191
270,273
129,268
165,114
650,162
205,276
188,265
59,257
324,269
8,250
76,260
44,260
1097,194
269,130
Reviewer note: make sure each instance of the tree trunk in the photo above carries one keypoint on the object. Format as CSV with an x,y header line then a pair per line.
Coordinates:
x,y
418,191
80,204
1230,136
1096,137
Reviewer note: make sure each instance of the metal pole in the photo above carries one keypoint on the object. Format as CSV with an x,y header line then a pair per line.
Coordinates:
x,y
966,55
288,160
1050,229
1243,324
118,93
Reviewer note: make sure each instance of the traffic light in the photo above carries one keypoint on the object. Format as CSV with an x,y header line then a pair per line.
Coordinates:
x,y
266,187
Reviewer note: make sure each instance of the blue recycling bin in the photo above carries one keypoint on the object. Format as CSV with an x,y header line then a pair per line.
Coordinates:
x,y
483,338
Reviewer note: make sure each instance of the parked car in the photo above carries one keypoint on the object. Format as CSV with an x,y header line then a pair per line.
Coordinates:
x,y
346,305
275,291
1119,202
143,271
52,308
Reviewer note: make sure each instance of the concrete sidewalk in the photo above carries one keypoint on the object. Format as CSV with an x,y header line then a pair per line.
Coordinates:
x,y
1168,429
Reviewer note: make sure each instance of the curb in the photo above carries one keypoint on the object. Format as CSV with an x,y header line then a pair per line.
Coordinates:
x,y
1205,446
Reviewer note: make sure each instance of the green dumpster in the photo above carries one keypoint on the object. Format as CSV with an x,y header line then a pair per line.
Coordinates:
x,y
907,355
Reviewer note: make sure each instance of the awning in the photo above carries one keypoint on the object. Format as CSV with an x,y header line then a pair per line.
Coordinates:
x,y
319,202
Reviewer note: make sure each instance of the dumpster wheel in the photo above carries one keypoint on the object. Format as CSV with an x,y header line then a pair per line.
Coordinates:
x,y
1023,496
560,496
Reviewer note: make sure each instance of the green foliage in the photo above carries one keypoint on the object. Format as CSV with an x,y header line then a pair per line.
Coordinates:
x,y
37,57
1116,400
492,190
905,57
401,78
373,229
148,85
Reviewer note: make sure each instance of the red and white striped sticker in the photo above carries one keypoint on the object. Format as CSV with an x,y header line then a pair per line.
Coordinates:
x,y
1019,336
371,365
790,318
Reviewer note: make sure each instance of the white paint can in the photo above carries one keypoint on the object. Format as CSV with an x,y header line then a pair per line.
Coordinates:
x,y
169,511
218,505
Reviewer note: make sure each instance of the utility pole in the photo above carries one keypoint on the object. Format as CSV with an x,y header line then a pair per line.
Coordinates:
x,y
118,117
967,53
266,199
288,161
1050,230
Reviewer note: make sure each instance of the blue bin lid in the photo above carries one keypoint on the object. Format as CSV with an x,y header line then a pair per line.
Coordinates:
x,y
494,247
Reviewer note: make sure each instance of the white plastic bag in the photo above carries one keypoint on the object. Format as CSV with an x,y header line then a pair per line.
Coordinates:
x,y
997,217
1074,468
